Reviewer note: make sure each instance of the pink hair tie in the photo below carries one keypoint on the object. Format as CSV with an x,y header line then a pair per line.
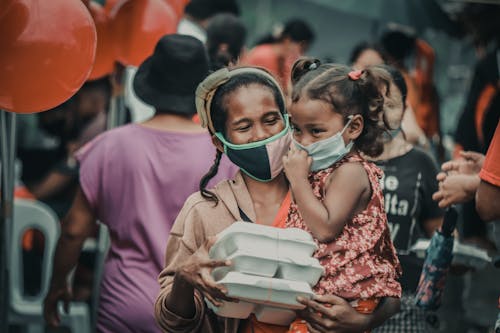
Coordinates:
x,y
355,75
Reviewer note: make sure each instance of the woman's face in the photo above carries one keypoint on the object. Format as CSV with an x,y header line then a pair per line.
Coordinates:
x,y
393,106
253,115
314,120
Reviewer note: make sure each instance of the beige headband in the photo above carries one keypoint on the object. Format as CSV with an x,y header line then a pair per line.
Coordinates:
x,y
207,88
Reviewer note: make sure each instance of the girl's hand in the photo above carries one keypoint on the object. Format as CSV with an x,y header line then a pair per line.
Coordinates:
x,y
329,313
297,164
197,272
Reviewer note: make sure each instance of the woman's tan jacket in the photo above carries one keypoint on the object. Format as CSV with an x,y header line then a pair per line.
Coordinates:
x,y
197,220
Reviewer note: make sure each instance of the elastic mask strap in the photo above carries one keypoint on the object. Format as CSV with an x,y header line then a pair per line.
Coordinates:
x,y
347,124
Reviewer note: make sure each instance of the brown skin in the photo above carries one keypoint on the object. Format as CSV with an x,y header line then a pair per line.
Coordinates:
x,y
78,224
487,198
459,180
348,188
333,314
255,116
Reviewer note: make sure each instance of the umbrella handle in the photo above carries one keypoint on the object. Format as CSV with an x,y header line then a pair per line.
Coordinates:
x,y
449,221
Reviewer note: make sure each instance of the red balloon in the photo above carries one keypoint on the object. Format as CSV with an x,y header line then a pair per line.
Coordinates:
x,y
48,48
109,5
178,6
105,52
137,26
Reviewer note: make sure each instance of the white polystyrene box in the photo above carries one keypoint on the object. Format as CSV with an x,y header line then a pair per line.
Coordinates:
x,y
255,262
272,300
273,315
292,242
300,269
247,236
265,290
240,310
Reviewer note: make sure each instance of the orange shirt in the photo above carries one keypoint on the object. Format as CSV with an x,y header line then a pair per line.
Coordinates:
x,y
491,168
258,327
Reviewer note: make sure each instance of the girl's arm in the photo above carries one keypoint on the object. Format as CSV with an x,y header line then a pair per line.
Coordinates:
x,y
345,189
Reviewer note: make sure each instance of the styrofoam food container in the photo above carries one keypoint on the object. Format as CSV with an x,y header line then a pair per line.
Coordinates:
x,y
272,300
250,262
300,269
273,315
261,263
265,314
291,242
265,290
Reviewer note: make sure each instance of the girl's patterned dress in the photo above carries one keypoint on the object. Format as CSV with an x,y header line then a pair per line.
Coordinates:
x,y
361,263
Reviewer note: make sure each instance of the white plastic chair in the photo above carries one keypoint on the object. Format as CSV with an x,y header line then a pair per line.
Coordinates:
x,y
27,311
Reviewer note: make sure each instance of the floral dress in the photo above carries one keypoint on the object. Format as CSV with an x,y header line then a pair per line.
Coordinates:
x,y
361,263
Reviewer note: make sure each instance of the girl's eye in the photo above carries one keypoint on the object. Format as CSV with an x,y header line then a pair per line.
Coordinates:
x,y
294,128
316,131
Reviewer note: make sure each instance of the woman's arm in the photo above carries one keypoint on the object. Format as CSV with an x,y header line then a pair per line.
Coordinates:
x,y
333,314
78,225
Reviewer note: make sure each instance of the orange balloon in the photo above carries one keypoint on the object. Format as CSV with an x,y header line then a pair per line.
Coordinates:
x,y
137,26
105,52
178,6
109,5
48,48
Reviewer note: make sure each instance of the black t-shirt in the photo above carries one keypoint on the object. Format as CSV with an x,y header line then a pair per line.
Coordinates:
x,y
408,184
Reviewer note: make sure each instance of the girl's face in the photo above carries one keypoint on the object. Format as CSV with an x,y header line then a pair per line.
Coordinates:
x,y
253,115
393,107
314,120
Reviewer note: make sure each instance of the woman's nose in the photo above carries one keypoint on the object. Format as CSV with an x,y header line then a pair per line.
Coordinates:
x,y
260,134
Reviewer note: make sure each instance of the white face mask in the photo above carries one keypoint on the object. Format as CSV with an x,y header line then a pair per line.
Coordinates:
x,y
328,151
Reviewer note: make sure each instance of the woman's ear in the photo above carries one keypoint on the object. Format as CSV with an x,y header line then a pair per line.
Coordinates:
x,y
355,127
218,144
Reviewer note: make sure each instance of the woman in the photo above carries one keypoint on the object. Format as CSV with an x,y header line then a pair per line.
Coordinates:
x,y
244,110
408,184
134,179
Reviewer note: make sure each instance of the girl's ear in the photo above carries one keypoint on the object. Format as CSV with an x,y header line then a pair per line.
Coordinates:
x,y
218,144
355,127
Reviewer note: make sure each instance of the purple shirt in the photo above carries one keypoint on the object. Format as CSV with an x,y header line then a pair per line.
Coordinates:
x,y
136,180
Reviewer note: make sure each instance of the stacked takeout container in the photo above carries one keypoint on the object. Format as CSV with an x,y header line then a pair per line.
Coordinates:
x,y
270,268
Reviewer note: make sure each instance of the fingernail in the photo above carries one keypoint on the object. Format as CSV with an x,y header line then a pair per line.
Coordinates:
x,y
300,298
228,262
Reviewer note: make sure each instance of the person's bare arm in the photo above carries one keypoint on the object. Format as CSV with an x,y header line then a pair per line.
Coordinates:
x,y
333,314
487,201
51,185
78,224
346,186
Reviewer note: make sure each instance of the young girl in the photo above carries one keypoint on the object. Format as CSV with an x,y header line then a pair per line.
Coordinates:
x,y
336,114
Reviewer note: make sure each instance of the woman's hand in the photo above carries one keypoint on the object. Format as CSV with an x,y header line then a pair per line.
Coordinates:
x,y
61,292
297,164
197,272
329,313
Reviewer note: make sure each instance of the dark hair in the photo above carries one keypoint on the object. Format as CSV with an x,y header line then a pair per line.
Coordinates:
x,y
225,29
398,45
331,83
203,9
218,114
364,46
296,29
